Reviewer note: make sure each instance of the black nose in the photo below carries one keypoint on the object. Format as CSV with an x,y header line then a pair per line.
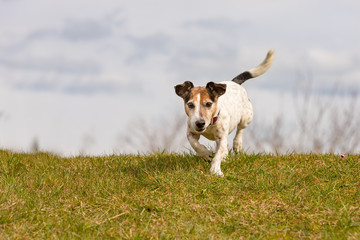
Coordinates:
x,y
200,124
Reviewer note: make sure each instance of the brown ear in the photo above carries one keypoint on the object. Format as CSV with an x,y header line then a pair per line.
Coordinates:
x,y
215,89
184,90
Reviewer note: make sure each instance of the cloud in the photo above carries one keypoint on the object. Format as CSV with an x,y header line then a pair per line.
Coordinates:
x,y
86,30
57,65
199,48
148,45
98,86
222,25
74,30
326,60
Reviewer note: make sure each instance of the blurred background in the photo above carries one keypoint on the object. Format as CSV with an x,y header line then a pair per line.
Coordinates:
x,y
93,78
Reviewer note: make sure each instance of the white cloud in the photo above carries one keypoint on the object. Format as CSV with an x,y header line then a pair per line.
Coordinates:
x,y
327,60
86,30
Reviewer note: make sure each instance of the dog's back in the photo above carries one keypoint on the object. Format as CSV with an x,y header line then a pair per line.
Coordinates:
x,y
235,104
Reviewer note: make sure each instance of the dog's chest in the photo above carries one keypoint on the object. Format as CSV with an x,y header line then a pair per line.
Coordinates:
x,y
210,133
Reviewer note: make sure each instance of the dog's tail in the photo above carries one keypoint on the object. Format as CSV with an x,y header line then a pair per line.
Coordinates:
x,y
257,71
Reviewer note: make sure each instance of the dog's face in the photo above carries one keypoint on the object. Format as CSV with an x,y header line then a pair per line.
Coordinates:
x,y
200,103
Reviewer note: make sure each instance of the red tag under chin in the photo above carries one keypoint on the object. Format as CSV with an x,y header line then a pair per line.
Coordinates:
x,y
213,121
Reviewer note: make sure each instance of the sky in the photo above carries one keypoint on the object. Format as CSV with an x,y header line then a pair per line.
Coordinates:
x,y
74,75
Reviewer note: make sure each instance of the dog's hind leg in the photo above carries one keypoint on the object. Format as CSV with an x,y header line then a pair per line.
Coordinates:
x,y
247,116
237,144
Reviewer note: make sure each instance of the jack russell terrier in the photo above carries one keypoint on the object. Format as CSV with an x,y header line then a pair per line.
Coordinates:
x,y
216,110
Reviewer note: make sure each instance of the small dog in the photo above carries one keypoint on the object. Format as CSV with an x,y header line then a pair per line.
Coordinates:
x,y
216,110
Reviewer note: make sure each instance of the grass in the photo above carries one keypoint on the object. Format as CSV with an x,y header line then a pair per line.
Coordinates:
x,y
173,196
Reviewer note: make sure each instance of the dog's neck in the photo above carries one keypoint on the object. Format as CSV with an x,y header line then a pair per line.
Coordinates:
x,y
215,118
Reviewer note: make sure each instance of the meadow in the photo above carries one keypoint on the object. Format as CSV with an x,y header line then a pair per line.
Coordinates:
x,y
173,196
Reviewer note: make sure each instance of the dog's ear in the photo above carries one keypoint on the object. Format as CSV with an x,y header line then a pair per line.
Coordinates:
x,y
215,89
184,90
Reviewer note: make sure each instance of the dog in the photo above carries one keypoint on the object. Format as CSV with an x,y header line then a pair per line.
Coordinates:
x,y
215,110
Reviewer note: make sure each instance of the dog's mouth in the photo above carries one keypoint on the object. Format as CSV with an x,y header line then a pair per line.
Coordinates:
x,y
200,130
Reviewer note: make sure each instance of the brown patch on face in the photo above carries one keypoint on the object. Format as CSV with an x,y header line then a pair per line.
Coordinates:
x,y
200,101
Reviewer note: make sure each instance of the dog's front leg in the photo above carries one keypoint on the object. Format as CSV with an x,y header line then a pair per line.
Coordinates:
x,y
221,151
200,149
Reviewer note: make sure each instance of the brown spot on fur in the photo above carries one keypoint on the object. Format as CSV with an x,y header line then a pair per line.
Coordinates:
x,y
205,112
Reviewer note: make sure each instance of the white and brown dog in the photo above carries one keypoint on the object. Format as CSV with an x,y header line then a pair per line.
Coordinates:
x,y
216,110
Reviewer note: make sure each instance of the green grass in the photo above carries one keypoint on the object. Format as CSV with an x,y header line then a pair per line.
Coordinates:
x,y
173,196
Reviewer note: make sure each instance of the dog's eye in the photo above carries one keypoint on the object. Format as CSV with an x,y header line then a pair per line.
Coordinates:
x,y
190,105
208,104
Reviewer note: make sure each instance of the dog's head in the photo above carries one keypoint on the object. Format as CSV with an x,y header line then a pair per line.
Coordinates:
x,y
200,103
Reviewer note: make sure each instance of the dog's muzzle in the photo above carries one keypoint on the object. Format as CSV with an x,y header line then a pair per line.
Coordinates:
x,y
200,125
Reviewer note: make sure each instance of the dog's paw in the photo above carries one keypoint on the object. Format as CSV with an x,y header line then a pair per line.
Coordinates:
x,y
237,150
216,172
207,156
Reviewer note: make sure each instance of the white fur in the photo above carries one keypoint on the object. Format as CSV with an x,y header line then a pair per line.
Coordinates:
x,y
235,111
196,116
264,66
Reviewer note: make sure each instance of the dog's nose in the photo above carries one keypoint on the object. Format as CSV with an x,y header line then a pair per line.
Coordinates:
x,y
200,124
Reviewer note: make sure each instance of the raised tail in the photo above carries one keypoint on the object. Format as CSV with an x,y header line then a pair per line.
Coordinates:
x,y
257,71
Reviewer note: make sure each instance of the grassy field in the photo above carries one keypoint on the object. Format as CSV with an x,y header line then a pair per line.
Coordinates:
x,y
173,196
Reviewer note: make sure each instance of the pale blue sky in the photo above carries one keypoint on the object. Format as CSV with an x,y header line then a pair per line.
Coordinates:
x,y
74,70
